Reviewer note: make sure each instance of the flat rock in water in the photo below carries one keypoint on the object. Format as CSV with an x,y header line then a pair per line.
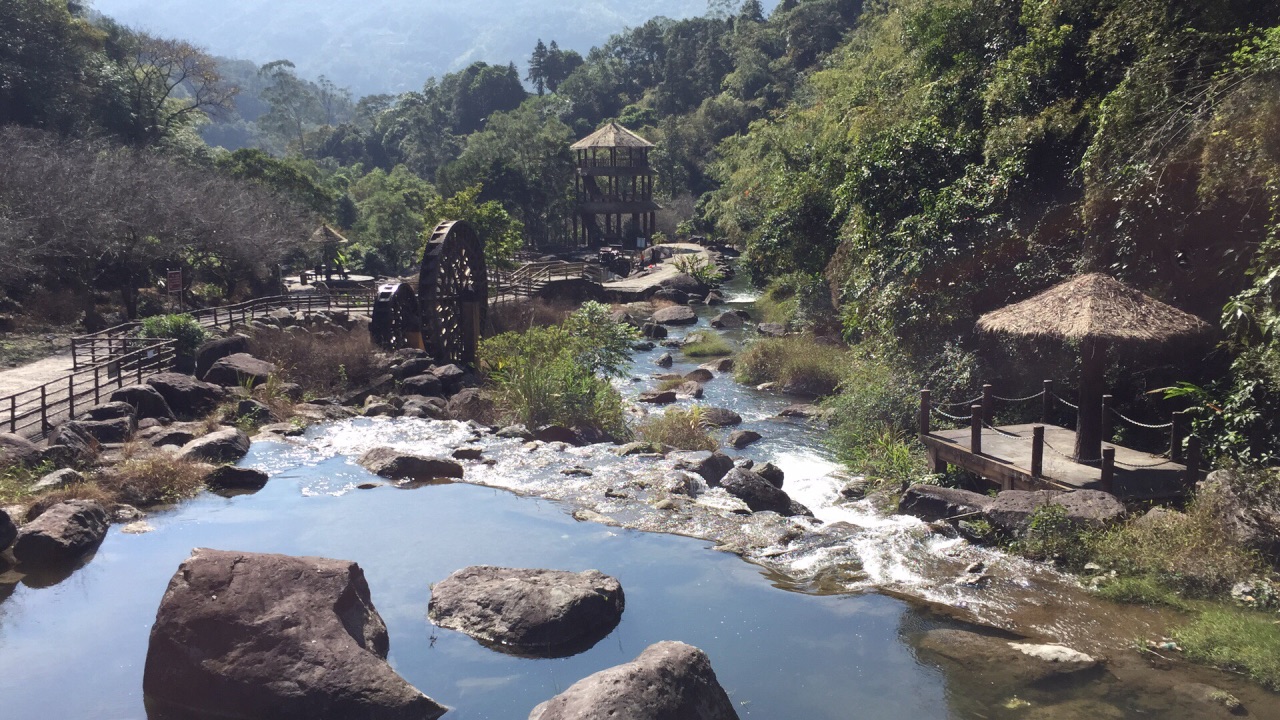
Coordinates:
x,y
700,375
221,446
742,438
657,397
759,494
931,502
720,417
230,477
1011,510
803,410
677,315
664,360
535,613
668,681
770,472
710,465
238,370
469,452
469,404
61,534
727,320
250,635
395,465
723,365
691,389
557,433
992,659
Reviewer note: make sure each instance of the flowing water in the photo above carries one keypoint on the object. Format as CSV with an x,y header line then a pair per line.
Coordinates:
x,y
822,622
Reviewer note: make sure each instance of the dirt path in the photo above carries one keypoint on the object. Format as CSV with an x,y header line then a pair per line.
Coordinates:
x,y
33,374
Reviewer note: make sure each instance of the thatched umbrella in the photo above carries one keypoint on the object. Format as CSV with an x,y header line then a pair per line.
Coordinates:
x,y
327,240
1096,310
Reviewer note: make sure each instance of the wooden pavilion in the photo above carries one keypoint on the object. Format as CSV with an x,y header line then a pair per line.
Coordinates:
x,y
613,186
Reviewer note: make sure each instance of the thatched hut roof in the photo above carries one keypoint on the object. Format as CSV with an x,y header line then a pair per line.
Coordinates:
x,y
325,235
612,135
1093,306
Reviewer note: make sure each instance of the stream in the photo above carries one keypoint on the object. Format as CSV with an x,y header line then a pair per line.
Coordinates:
x,y
802,618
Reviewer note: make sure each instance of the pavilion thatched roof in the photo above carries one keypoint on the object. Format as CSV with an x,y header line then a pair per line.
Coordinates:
x,y
1093,306
612,135
325,235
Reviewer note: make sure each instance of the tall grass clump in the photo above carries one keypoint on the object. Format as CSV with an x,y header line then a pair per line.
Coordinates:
x,y
321,365
152,480
801,301
559,374
707,344
872,418
681,428
1191,553
797,362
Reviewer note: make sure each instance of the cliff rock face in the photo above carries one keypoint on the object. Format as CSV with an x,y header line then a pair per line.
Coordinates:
x,y
250,635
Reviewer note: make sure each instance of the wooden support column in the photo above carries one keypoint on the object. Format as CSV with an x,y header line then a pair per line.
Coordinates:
x,y
1046,403
1104,418
1176,435
1193,461
988,406
975,429
1037,451
1093,366
1108,469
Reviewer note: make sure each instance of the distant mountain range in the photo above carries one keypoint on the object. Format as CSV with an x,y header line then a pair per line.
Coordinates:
x,y
375,46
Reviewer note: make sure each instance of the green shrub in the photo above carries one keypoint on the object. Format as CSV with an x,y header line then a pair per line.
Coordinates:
x,y
697,267
1237,640
680,428
1051,535
552,375
1191,553
873,418
1140,591
797,361
707,344
801,301
183,328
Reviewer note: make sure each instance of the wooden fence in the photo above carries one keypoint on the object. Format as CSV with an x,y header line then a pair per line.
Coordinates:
x,y
34,413
528,279
96,348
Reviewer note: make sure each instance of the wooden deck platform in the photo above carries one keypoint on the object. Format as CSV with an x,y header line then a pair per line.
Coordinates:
x,y
1006,461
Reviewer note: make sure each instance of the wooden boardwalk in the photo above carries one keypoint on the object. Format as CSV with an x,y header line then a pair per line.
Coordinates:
x,y
1006,459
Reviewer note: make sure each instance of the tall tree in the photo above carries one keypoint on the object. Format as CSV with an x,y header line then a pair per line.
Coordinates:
x,y
294,106
538,67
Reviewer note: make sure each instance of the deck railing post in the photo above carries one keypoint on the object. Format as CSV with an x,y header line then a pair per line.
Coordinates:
x,y
1108,469
44,410
1037,451
97,385
988,408
925,408
1106,418
1176,434
13,413
975,429
1046,402
71,397
1193,460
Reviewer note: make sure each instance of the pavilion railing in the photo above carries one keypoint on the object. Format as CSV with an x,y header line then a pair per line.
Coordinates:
x,y
1182,448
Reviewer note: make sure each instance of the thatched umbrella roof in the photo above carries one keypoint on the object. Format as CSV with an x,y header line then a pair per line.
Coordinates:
x,y
325,235
612,135
1093,306
1096,310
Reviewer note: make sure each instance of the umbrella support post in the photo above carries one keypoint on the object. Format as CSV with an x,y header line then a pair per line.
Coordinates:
x,y
922,420
1046,403
1037,451
1108,479
975,430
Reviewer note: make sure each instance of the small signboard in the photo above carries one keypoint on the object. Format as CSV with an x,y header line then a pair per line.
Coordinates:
x,y
174,282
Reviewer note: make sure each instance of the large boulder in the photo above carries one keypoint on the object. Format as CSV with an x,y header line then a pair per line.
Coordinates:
x,y
73,444
537,613
214,350
395,465
931,502
188,397
676,315
425,384
451,377
104,431
469,404
238,370
687,284
742,438
771,329
668,681
17,450
727,320
1250,510
57,480
1011,511
221,446
720,417
114,409
61,534
229,478
657,397
248,635
710,465
8,530
759,494
653,331
412,367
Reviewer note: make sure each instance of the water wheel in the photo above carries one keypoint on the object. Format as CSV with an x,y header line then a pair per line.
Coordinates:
x,y
397,318
453,293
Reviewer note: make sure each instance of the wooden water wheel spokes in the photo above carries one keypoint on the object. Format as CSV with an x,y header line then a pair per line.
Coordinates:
x,y
453,290
397,319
